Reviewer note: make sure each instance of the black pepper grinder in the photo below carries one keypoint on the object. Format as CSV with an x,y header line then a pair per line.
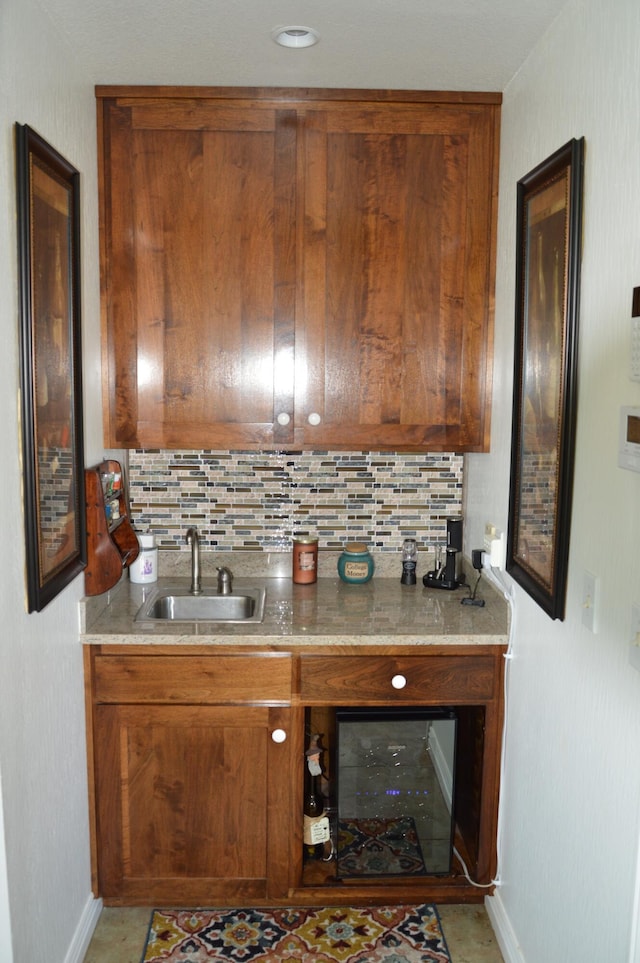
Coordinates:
x,y
409,558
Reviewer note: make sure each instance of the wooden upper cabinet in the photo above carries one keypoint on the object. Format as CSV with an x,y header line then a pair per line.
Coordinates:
x,y
199,272
297,268
398,274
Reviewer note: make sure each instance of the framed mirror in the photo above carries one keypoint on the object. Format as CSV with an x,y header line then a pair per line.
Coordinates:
x,y
50,366
549,219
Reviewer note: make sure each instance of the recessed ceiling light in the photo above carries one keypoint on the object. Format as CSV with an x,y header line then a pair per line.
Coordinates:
x,y
295,36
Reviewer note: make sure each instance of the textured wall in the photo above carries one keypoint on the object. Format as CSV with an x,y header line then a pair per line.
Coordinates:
x,y
42,736
571,787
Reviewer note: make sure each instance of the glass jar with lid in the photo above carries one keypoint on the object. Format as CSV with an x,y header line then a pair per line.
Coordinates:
x,y
305,559
355,565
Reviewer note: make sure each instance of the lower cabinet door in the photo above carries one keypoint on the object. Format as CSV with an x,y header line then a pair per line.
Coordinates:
x,y
192,803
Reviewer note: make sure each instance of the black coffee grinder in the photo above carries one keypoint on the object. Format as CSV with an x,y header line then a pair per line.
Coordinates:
x,y
448,574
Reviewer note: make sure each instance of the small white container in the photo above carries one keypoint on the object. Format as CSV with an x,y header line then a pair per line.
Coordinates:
x,y
145,567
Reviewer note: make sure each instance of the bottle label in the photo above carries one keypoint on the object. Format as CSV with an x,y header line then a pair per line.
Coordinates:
x,y
315,830
307,561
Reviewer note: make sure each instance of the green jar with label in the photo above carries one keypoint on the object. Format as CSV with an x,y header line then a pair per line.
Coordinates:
x,y
355,565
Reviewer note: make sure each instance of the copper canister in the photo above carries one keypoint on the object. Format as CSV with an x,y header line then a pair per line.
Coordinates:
x,y
305,560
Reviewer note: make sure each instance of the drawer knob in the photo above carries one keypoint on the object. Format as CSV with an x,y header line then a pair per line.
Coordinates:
x,y
283,418
314,418
399,681
279,735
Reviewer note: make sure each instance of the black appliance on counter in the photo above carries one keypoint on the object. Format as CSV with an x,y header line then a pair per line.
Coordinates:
x,y
448,574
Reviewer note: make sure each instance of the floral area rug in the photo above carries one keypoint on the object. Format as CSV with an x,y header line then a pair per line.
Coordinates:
x,y
379,847
381,934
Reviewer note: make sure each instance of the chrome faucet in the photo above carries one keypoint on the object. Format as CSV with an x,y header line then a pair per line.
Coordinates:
x,y
225,580
193,540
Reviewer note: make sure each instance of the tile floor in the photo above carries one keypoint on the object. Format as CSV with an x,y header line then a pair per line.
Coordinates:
x,y
121,932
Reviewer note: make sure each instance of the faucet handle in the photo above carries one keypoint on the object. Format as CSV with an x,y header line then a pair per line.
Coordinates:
x,y
225,579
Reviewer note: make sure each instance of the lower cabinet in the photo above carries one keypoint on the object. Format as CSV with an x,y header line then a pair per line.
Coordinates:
x,y
191,803
196,763
183,801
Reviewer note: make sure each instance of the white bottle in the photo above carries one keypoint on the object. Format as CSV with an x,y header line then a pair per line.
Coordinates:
x,y
145,567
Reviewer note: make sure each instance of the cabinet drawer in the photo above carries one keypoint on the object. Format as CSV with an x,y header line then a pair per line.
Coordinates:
x,y
263,679
367,680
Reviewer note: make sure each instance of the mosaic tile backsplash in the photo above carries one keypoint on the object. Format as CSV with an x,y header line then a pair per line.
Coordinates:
x,y
257,501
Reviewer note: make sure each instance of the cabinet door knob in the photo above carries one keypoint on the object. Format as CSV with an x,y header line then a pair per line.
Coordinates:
x,y
314,418
283,418
279,735
399,681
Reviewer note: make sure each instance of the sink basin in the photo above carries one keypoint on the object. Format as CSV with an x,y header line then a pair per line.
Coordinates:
x,y
175,606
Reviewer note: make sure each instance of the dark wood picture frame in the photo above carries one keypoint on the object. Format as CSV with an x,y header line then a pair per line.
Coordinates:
x,y
549,225
50,366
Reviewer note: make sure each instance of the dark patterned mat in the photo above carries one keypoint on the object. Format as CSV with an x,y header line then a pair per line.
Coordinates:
x,y
379,934
379,847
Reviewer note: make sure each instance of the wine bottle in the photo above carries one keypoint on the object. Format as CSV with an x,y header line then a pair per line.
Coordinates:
x,y
313,809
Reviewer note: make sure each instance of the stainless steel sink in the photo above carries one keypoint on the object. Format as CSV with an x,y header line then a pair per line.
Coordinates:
x,y
247,605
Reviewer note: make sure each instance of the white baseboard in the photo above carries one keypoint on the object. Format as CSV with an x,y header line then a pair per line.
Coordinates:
x,y
507,941
84,931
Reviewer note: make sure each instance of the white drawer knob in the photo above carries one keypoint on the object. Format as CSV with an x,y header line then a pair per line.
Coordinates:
x,y
283,418
279,735
314,418
399,681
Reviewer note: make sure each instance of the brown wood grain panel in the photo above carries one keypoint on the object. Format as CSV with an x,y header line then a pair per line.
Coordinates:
x,y
479,274
190,114
402,119
312,268
285,254
119,280
187,797
194,679
283,812
195,310
292,96
393,328
168,229
366,680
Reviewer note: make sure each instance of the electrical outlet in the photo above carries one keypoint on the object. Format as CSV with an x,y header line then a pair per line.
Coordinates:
x,y
495,545
589,598
489,535
499,551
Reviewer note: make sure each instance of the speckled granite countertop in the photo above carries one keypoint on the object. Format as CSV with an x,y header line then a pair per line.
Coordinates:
x,y
329,612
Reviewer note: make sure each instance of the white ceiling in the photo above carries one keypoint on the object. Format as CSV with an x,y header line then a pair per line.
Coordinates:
x,y
404,44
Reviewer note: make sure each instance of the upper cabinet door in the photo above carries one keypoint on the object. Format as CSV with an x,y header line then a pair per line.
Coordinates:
x,y
198,273
394,338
